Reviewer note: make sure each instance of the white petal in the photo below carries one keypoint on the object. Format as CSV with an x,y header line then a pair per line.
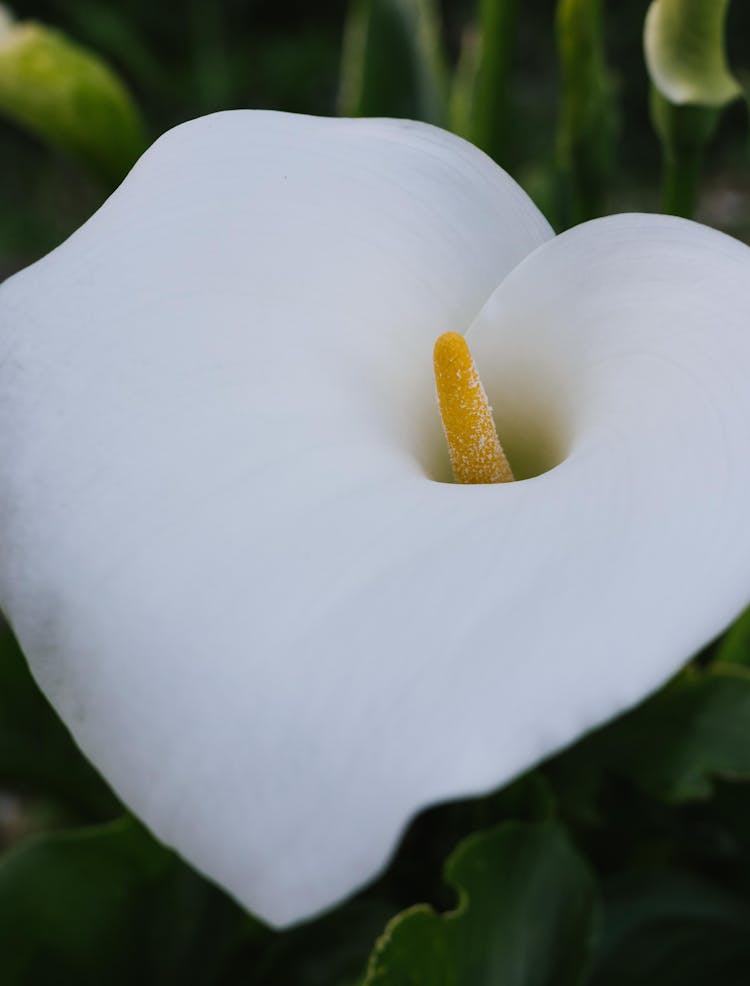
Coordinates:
x,y
222,549
620,354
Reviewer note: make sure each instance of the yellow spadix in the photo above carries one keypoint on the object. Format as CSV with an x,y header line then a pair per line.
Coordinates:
x,y
475,450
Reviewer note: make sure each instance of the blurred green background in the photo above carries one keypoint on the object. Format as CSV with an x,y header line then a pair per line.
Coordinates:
x,y
182,60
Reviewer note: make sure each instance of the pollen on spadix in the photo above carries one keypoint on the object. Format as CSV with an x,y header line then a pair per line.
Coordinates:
x,y
475,450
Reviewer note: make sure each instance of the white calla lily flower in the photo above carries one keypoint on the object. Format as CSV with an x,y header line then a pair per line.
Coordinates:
x,y
230,549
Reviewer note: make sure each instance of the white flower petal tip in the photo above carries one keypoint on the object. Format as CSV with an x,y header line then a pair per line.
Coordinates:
x,y
224,549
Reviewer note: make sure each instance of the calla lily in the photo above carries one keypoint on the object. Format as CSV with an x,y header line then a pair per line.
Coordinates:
x,y
684,47
231,551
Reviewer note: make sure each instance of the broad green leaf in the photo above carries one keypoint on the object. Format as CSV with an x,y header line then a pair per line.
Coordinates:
x,y
685,53
37,753
480,93
691,732
525,917
665,928
69,98
588,118
392,62
435,832
735,647
110,905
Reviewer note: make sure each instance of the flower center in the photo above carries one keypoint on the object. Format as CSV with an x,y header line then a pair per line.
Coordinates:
x,y
475,450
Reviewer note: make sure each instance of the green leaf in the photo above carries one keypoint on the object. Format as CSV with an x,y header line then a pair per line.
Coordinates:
x,y
674,745
479,106
685,54
109,904
392,62
735,647
37,753
68,97
588,124
665,928
435,832
328,952
527,905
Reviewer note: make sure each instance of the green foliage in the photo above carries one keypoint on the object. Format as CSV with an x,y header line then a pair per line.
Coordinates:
x,y
669,928
108,904
392,62
327,952
683,131
479,107
588,119
527,904
675,745
69,98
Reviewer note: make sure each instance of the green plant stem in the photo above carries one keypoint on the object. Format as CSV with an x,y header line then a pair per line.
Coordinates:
x,y
681,179
392,61
498,20
587,128
684,131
